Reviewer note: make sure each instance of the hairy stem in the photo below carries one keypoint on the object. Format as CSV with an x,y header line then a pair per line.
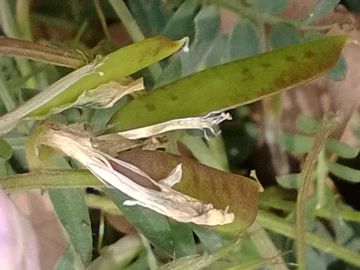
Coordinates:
x,y
306,175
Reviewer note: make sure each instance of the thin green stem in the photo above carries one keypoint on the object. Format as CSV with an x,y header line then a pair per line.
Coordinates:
x,y
54,178
23,19
345,212
101,232
133,29
102,19
280,226
127,19
265,246
321,173
306,176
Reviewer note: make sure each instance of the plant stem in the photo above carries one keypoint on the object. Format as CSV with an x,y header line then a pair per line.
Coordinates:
x,y
38,52
133,29
280,226
127,19
102,19
344,211
265,245
321,173
306,176
23,18
54,178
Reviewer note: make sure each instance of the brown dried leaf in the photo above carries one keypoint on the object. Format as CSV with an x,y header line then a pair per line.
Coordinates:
x,y
209,185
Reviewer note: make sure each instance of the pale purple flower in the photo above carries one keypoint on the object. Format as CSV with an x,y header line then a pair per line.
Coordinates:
x,y
18,242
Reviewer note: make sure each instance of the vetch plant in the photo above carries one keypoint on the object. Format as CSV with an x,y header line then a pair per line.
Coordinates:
x,y
130,139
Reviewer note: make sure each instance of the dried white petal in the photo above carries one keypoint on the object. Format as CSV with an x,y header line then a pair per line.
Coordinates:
x,y
165,201
107,94
209,122
9,120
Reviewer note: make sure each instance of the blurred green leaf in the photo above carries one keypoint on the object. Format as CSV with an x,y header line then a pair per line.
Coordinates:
x,y
170,73
291,181
206,24
217,52
243,41
184,240
338,73
320,9
344,172
283,34
5,149
341,149
155,227
70,207
209,185
150,15
181,22
307,124
245,81
297,144
272,7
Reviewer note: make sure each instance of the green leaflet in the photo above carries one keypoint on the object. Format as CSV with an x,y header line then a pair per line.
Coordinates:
x,y
72,211
113,66
230,85
344,172
154,226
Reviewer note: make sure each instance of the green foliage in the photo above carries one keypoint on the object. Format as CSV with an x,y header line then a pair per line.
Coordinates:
x,y
272,7
180,99
300,144
283,34
320,9
225,86
344,172
72,211
243,41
